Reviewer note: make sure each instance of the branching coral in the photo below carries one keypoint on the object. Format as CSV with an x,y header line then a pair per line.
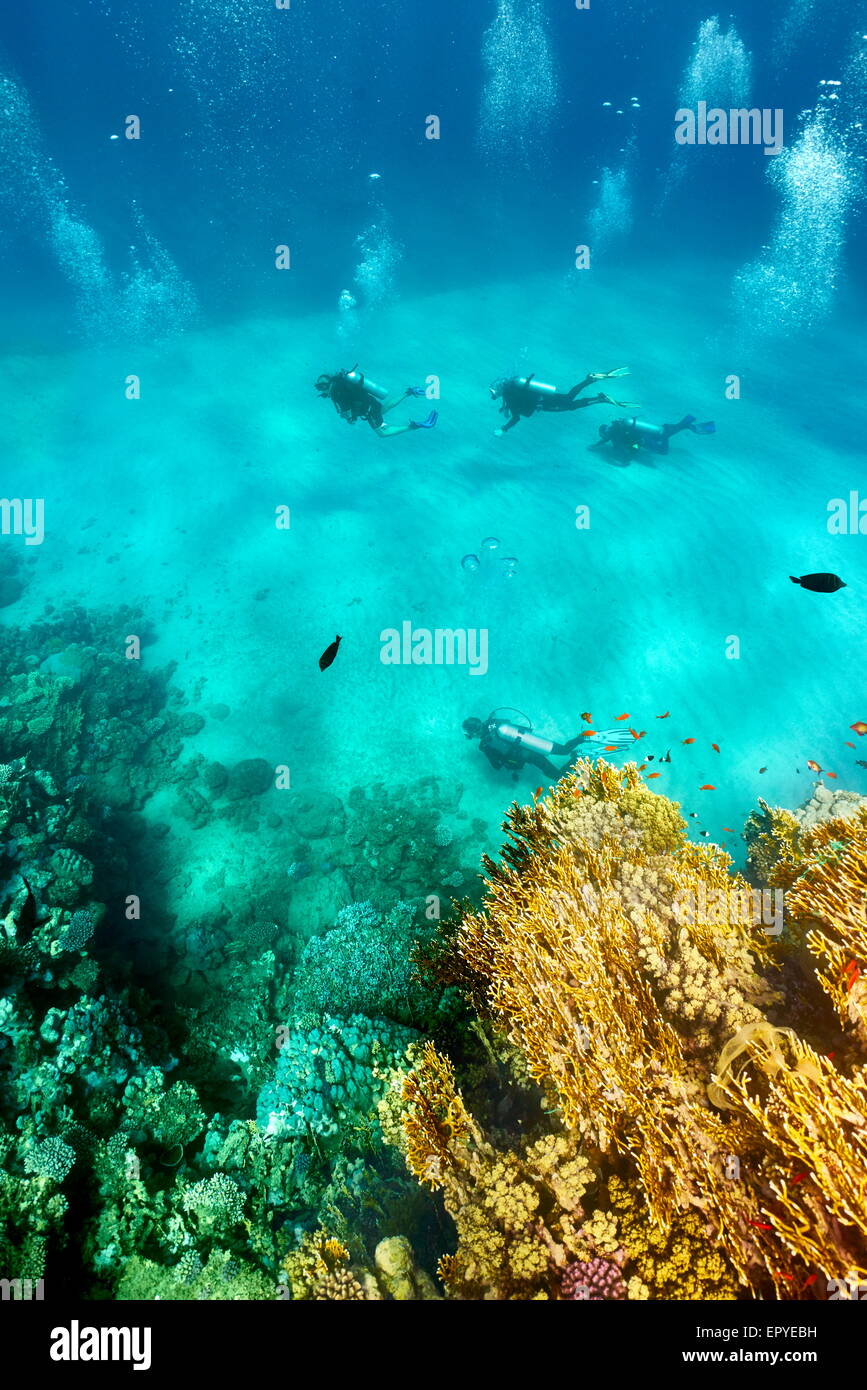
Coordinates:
x,y
828,902
644,1014
810,1126
318,1269
517,1213
602,976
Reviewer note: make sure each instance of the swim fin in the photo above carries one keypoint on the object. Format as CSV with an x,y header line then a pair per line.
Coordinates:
x,y
707,428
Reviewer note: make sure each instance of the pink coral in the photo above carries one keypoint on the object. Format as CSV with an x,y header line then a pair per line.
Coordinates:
x,y
595,1280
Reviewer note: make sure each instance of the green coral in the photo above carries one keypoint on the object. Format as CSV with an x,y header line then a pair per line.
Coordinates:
x,y
216,1203
52,1158
223,1278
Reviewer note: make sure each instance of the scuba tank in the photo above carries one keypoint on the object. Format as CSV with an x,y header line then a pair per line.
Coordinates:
x,y
359,379
531,384
510,735
652,431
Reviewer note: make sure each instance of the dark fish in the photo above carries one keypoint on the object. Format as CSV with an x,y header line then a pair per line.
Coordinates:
x,y
27,915
329,654
820,583
860,762
694,815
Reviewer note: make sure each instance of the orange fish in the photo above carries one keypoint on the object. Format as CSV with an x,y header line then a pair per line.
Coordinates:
x,y
585,733
715,747
859,728
729,828
588,718
610,748
852,979
538,791
653,774
688,740
643,766
576,791
635,735
831,774
814,767
621,716
849,745
707,788
664,716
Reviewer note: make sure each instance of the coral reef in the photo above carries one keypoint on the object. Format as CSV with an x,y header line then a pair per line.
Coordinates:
x,y
650,1022
329,1077
364,965
609,1080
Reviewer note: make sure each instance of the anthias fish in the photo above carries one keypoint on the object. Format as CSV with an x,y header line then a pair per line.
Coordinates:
x,y
820,583
859,727
330,653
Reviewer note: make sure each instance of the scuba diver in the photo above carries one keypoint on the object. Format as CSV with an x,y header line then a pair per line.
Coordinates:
x,y
357,398
630,435
514,745
523,396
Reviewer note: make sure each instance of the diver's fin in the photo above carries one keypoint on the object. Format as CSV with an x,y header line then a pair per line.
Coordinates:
x,y
707,428
618,371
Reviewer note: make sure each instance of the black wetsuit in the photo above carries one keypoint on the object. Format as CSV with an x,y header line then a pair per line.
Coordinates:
x,y
635,434
353,401
515,755
520,400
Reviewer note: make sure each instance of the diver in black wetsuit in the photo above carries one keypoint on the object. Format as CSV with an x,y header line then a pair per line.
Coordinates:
x,y
513,746
627,436
356,398
523,396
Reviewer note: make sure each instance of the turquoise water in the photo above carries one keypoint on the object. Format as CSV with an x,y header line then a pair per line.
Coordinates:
x,y
169,503
167,737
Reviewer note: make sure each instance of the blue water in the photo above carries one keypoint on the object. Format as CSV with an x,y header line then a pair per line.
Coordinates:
x,y
454,258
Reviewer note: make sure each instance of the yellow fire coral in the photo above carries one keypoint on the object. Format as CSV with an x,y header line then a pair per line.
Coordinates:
x,y
517,1214
773,845
633,972
828,901
600,965
318,1270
